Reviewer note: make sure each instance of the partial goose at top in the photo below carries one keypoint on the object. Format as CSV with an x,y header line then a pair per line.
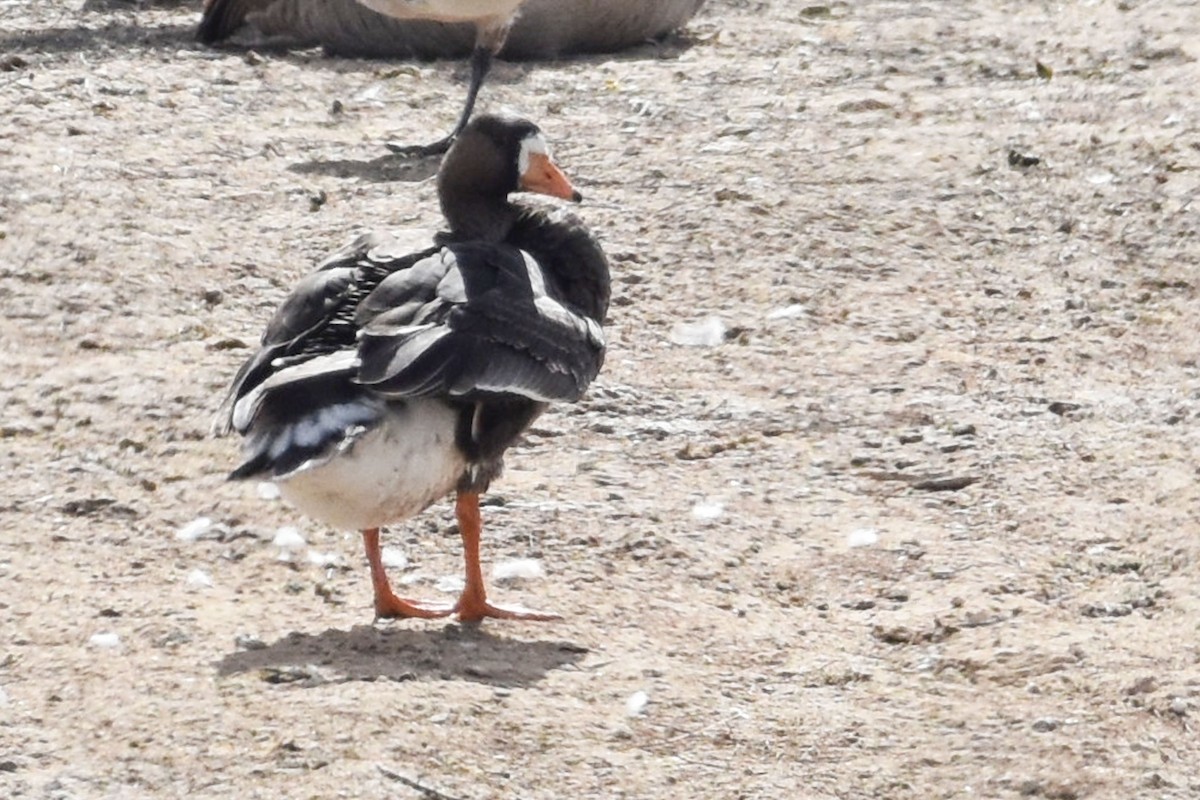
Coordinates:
x,y
543,29
492,20
451,29
391,377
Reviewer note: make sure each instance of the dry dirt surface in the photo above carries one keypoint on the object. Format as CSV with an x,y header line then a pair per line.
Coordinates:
x,y
888,488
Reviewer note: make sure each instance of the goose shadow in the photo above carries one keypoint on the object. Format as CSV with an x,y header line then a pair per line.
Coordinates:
x,y
368,653
111,37
387,168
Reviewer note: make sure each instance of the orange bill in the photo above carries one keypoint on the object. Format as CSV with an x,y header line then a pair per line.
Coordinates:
x,y
544,177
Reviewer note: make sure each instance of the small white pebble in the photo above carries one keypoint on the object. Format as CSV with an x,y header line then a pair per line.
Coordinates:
x,y
394,558
708,510
267,491
788,312
372,92
108,641
1179,706
194,529
3,697
200,579
708,332
635,706
323,559
862,537
517,569
288,538
450,583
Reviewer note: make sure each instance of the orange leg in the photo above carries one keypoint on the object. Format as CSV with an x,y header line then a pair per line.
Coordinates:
x,y
472,605
387,604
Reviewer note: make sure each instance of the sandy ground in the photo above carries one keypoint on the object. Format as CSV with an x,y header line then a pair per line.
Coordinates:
x,y
921,523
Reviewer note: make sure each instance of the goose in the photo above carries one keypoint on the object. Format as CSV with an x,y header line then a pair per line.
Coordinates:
x,y
491,18
544,29
417,28
391,377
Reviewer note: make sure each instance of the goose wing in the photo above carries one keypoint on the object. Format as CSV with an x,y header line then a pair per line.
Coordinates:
x,y
474,320
295,399
376,323
318,317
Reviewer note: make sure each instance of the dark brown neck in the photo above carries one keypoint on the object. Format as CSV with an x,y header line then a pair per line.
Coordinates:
x,y
473,185
487,219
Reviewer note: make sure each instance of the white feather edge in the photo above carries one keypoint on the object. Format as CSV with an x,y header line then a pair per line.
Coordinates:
x,y
555,311
245,408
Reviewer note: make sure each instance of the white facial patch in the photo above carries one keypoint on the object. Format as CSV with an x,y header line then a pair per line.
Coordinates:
x,y
530,145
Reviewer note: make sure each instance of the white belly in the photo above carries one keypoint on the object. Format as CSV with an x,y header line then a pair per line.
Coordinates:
x,y
445,10
390,474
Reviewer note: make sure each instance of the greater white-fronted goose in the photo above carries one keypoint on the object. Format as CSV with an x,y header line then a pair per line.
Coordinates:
x,y
390,378
491,20
540,29
543,29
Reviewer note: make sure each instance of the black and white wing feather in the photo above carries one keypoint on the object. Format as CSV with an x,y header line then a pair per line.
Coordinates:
x,y
377,323
484,321
295,399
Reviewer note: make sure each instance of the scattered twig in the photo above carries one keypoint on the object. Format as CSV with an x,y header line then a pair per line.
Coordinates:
x,y
949,484
686,759
426,791
724,719
924,483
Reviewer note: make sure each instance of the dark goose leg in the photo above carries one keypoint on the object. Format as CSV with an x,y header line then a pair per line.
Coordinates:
x,y
481,62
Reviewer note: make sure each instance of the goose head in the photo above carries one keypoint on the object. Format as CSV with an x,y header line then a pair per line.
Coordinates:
x,y
495,156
